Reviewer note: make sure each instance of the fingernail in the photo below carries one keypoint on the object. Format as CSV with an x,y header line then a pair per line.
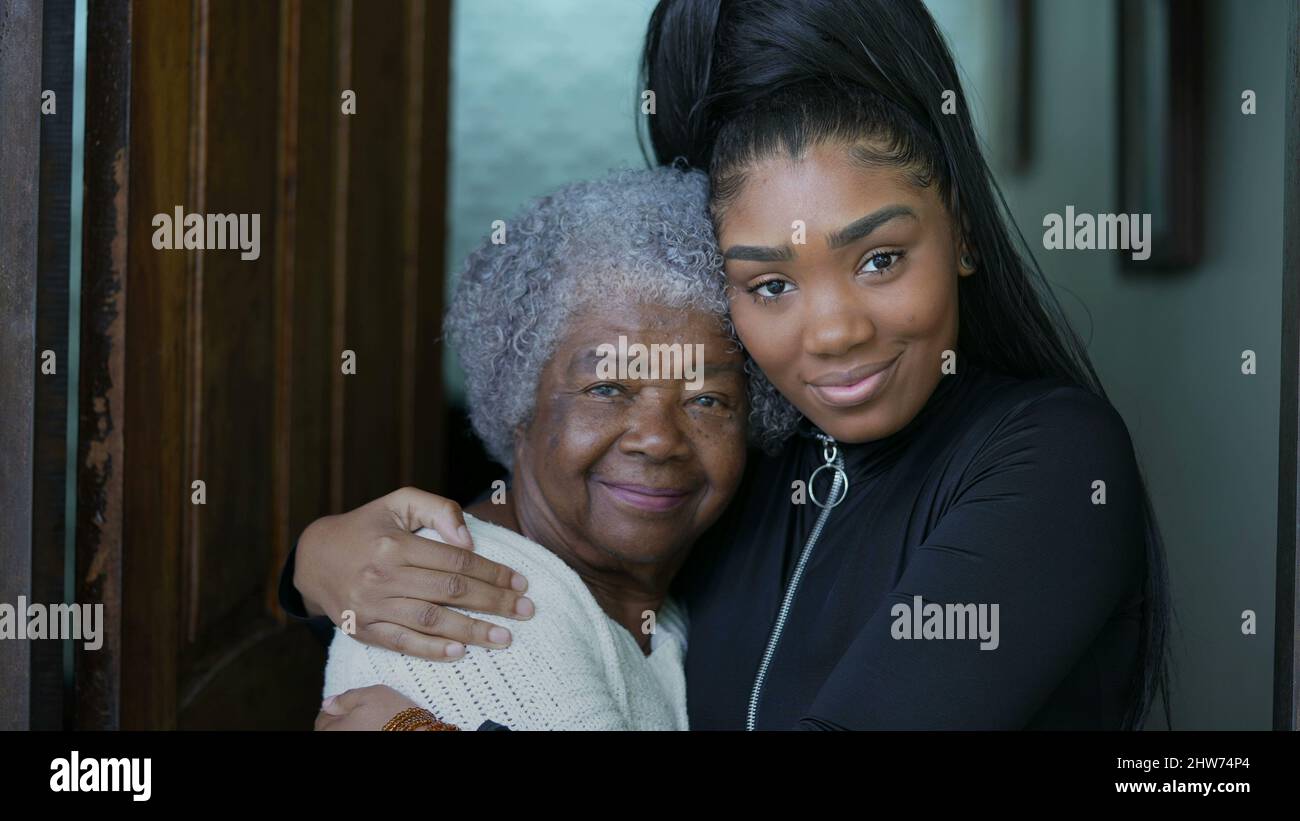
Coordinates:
x,y
325,705
524,607
455,651
518,582
499,635
464,536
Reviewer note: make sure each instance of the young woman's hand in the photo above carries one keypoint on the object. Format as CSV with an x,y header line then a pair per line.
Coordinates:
x,y
398,585
365,708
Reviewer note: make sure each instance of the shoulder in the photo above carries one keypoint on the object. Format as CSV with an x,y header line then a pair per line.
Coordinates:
x,y
1051,466
559,671
1050,444
1048,413
546,573
565,608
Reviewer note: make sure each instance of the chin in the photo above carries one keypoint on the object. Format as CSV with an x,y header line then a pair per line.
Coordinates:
x,y
856,428
642,547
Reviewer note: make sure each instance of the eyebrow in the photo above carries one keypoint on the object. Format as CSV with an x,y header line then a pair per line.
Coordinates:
x,y
584,361
860,228
852,232
759,253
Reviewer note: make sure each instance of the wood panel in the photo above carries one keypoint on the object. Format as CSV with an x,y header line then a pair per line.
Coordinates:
x,y
230,367
318,208
375,298
232,356
20,60
429,441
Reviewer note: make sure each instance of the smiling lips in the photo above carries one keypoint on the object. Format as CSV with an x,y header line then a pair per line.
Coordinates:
x,y
844,389
653,499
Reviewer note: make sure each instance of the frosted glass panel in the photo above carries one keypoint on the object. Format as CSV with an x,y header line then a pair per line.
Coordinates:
x,y
543,93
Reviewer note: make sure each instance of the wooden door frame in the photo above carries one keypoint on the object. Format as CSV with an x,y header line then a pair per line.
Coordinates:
x,y
102,419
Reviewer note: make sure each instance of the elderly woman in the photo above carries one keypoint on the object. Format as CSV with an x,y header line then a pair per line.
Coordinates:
x,y
617,466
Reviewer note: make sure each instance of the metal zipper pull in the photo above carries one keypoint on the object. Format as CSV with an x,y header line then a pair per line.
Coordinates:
x,y
839,489
832,461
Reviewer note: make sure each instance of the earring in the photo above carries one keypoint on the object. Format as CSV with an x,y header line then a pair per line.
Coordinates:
x,y
968,262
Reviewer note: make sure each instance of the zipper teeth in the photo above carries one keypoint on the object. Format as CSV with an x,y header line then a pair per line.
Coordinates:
x,y
751,713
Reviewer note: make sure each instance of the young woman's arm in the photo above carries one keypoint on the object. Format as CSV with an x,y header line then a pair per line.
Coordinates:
x,y
368,561
1025,532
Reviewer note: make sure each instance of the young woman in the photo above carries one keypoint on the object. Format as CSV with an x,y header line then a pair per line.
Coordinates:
x,y
945,460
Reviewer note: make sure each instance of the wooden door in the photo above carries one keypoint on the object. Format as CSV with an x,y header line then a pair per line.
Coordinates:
x,y
204,366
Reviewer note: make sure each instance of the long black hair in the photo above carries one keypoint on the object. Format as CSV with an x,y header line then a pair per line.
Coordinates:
x,y
736,80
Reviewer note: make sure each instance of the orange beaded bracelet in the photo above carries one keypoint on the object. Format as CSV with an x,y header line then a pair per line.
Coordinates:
x,y
417,718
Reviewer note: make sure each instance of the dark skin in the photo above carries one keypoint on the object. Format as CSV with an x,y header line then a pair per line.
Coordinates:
x,y
617,477
596,449
832,309
873,287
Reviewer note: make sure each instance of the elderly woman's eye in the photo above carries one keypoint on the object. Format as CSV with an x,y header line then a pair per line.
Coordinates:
x,y
708,401
605,389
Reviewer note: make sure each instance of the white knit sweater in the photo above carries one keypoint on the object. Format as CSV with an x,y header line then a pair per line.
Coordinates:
x,y
569,667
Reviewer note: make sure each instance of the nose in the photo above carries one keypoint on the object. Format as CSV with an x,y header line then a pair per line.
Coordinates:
x,y
835,322
655,431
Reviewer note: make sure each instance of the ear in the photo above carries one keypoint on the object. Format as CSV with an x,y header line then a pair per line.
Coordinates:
x,y
967,263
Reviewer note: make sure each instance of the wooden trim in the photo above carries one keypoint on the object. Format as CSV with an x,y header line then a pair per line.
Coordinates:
x,y
431,444
197,186
1286,667
340,270
50,489
20,135
407,450
286,233
102,402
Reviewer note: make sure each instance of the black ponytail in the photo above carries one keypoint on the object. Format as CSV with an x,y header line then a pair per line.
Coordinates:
x,y
737,80
678,54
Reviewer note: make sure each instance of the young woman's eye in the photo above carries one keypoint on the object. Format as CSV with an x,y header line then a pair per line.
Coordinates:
x,y
880,262
770,289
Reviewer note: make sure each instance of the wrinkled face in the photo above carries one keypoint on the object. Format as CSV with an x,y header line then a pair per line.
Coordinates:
x,y
633,464
850,318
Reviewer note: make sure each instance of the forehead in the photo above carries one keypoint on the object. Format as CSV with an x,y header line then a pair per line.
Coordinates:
x,y
604,322
826,187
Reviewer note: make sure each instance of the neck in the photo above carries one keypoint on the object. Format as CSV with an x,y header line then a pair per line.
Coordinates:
x,y
624,590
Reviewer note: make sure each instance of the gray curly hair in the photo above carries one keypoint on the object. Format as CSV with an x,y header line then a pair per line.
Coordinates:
x,y
645,233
